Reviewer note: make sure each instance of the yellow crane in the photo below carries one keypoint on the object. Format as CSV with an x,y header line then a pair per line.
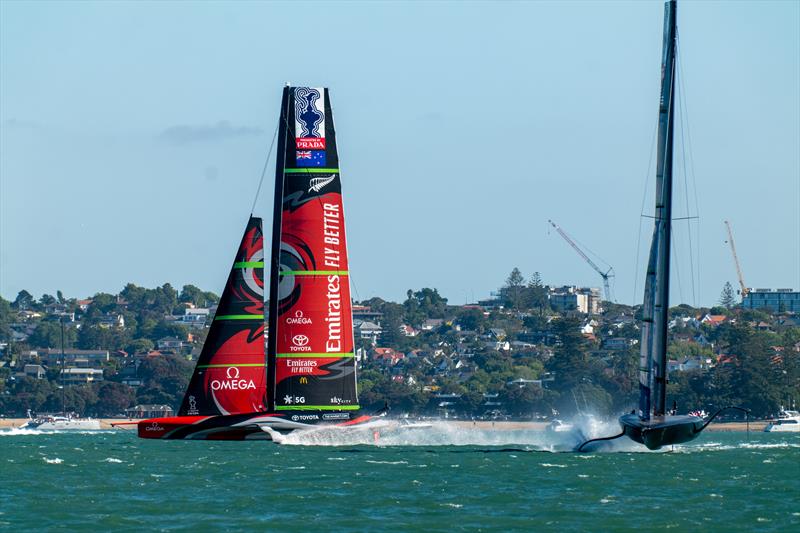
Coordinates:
x,y
744,290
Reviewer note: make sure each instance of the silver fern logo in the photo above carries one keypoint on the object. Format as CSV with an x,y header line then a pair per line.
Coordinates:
x,y
317,184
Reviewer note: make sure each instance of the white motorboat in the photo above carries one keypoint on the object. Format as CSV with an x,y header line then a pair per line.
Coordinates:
x,y
787,421
61,423
557,426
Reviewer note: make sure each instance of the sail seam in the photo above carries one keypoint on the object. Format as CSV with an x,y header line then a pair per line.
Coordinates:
x,y
306,355
311,170
316,407
249,264
228,365
315,273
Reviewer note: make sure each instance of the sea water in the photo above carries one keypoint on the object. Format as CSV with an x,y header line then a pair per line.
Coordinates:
x,y
439,478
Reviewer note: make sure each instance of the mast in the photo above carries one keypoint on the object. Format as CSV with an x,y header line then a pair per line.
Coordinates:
x,y
275,256
653,361
664,210
63,364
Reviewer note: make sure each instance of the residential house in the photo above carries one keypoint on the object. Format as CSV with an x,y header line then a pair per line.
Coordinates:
x,y
369,331
112,320
387,356
81,376
521,383
365,312
713,320
408,331
497,334
432,323
149,411
75,358
194,317
618,343
170,343
34,371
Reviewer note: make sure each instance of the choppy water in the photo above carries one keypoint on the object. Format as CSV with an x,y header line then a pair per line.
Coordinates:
x,y
491,481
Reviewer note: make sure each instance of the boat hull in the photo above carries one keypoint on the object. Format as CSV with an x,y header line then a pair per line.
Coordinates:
x,y
250,426
777,427
663,430
63,424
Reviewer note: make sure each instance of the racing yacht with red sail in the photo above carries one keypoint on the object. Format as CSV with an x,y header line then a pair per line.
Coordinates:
x,y
307,376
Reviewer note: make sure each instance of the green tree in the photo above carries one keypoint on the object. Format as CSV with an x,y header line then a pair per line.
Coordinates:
x,y
113,398
727,298
570,361
513,290
537,293
471,319
23,301
5,320
48,335
140,346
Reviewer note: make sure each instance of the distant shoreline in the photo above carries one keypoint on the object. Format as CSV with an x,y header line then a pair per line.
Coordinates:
x,y
499,425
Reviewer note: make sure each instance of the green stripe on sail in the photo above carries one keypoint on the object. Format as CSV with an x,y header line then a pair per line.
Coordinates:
x,y
311,170
231,364
317,407
249,264
239,317
337,355
315,273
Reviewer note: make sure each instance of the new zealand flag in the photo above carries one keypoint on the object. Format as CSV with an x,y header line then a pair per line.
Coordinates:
x,y
311,158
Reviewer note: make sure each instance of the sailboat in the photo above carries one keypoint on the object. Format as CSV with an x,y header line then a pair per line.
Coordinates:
x,y
652,425
66,421
306,376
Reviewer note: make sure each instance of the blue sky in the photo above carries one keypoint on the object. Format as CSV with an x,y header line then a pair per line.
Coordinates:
x,y
132,137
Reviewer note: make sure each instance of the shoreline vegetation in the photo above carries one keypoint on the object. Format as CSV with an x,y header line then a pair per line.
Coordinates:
x,y
531,351
499,425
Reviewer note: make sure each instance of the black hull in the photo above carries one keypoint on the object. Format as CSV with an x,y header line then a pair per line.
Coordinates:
x,y
253,426
663,430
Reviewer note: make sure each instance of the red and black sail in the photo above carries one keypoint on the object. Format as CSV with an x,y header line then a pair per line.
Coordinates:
x,y
230,375
311,327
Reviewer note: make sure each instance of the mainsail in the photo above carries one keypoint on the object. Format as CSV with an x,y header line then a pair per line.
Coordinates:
x,y
310,321
230,375
653,356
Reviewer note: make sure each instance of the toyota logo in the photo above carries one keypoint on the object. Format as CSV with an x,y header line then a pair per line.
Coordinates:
x,y
232,372
300,340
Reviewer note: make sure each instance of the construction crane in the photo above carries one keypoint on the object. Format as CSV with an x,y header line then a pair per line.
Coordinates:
x,y
605,275
744,290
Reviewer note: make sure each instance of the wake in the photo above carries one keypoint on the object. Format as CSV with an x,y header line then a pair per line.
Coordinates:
x,y
387,433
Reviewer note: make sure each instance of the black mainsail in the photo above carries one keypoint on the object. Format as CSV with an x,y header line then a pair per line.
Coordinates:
x,y
652,425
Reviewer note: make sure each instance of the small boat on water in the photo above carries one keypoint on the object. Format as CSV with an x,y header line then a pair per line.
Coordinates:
x,y
307,375
68,422
786,422
557,426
